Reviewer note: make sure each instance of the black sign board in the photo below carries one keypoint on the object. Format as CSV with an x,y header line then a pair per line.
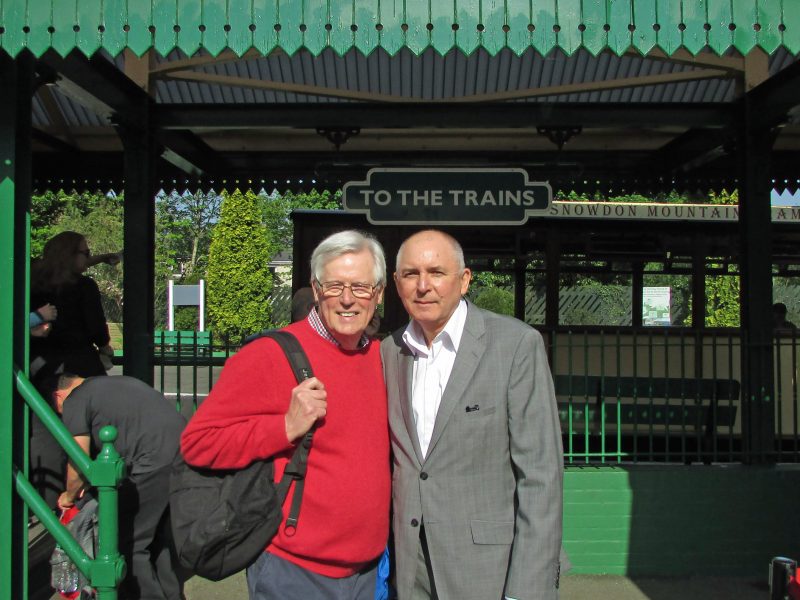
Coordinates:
x,y
447,196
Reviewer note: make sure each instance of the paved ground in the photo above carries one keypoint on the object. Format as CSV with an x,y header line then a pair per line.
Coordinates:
x,y
573,587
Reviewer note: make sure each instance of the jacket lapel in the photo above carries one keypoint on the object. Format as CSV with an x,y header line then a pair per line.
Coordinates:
x,y
468,357
405,364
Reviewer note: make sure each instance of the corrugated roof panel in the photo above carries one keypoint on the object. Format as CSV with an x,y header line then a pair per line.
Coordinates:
x,y
39,115
435,77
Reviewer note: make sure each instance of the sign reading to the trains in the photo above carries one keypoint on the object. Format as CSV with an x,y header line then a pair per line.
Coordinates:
x,y
447,196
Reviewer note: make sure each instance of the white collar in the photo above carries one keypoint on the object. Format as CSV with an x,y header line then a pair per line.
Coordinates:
x,y
414,338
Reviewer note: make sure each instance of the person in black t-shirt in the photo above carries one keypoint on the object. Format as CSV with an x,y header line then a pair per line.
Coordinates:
x,y
149,430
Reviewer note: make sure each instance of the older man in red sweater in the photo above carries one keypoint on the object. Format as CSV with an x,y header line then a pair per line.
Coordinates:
x,y
257,410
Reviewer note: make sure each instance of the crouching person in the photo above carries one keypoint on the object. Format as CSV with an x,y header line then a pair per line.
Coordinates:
x,y
257,411
149,430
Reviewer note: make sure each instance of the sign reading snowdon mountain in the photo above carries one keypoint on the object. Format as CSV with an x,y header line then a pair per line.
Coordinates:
x,y
447,196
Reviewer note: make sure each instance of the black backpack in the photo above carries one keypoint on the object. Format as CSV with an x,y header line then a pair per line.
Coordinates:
x,y
222,520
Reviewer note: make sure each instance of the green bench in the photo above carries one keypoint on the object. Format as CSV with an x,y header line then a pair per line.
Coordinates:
x,y
646,402
182,343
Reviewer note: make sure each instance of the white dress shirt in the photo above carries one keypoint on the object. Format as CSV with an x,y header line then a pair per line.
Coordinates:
x,y
432,368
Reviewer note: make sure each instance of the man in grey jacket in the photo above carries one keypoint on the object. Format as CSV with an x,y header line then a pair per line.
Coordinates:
x,y
478,461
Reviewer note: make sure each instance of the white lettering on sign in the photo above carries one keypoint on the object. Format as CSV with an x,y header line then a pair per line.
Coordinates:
x,y
475,198
366,194
382,197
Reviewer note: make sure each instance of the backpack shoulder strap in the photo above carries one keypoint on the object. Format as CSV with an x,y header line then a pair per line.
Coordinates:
x,y
294,352
295,471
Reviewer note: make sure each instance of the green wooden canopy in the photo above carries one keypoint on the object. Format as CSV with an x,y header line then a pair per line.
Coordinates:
x,y
290,25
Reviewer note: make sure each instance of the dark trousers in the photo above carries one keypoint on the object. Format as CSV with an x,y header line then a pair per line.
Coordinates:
x,y
145,538
274,578
47,461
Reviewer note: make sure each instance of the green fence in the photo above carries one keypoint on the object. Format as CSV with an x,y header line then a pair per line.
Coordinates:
x,y
650,395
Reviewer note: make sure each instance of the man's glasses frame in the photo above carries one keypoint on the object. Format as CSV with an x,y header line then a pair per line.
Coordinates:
x,y
334,289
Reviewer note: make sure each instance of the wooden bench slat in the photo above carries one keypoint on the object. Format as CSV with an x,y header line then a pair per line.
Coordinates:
x,y
182,342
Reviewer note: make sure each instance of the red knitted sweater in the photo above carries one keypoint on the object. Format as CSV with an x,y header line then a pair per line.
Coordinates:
x,y
344,519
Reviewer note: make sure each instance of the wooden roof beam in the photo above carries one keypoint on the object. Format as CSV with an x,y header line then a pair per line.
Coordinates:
x,y
439,115
577,88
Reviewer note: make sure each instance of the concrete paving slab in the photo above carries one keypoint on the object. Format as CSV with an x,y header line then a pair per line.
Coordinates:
x,y
613,587
573,587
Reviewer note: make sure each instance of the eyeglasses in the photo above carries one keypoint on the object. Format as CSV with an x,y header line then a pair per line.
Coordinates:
x,y
333,289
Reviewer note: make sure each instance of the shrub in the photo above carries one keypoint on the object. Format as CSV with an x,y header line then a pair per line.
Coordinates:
x,y
496,300
238,278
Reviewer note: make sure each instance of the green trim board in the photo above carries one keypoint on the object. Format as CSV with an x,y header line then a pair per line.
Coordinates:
x,y
268,25
660,520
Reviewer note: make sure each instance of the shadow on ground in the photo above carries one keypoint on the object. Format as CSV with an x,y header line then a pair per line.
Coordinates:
x,y
612,587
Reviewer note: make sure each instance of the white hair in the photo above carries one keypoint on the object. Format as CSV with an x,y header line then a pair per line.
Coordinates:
x,y
346,242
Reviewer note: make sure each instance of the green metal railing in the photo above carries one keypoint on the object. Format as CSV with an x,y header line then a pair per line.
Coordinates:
x,y
654,395
106,570
650,395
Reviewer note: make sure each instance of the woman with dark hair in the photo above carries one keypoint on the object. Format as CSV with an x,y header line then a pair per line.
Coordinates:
x,y
80,334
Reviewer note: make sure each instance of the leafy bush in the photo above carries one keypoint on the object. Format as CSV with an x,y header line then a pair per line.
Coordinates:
x,y
496,300
187,318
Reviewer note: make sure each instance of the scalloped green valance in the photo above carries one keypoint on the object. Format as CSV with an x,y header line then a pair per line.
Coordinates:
x,y
289,25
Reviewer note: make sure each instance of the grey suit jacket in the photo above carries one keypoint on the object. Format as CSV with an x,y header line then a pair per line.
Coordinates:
x,y
490,489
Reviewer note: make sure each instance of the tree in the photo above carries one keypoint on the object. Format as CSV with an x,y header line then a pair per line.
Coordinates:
x,y
722,301
50,207
276,208
45,212
183,235
184,224
238,278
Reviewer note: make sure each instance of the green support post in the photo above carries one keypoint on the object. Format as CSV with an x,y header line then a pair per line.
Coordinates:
x,y
755,234
16,81
138,233
108,469
10,583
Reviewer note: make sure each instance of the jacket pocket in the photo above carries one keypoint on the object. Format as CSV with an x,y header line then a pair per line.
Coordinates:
x,y
492,532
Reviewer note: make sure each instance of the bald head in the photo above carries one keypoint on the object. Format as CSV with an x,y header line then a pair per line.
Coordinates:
x,y
431,236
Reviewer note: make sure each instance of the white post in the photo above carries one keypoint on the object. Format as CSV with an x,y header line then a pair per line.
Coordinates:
x,y
202,305
170,308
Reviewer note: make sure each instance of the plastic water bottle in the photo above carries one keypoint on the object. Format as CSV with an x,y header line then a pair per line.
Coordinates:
x,y
63,572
